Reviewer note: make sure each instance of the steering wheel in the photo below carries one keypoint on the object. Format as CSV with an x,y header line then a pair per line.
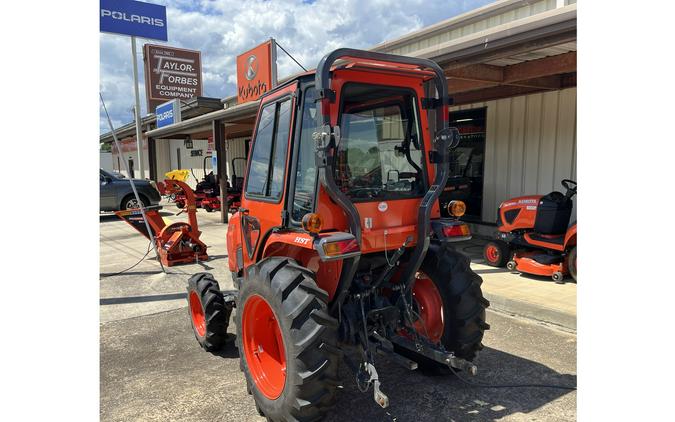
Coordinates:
x,y
571,190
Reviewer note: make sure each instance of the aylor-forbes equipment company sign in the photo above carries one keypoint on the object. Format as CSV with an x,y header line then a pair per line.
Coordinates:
x,y
171,73
133,18
256,72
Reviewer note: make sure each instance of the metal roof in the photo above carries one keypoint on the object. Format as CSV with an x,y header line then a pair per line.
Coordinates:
x,y
536,54
190,108
203,122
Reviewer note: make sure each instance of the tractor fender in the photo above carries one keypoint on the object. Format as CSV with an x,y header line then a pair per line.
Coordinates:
x,y
300,246
571,236
234,242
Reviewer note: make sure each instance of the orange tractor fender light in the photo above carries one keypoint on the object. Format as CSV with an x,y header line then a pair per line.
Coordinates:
x,y
312,223
456,208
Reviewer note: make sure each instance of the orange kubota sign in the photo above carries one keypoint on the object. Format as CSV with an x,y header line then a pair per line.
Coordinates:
x,y
256,72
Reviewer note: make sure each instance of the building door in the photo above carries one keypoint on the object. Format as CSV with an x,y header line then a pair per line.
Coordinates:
x,y
468,159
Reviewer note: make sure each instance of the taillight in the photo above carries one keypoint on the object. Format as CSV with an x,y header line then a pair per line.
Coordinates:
x,y
456,230
340,247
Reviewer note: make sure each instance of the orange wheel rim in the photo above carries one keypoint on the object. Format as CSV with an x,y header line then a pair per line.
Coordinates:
x,y
429,307
264,347
492,253
197,314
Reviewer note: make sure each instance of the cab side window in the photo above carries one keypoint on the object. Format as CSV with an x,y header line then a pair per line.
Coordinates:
x,y
305,175
268,158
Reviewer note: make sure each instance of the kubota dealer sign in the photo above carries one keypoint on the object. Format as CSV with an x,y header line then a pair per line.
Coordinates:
x,y
171,73
256,72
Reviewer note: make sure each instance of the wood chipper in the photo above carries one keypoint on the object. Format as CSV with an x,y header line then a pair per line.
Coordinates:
x,y
339,251
177,243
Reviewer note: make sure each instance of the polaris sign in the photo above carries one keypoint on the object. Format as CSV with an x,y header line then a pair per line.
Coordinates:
x,y
134,18
168,113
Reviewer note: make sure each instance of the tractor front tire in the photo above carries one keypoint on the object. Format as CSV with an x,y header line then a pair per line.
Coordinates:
x,y
287,341
209,314
497,253
457,288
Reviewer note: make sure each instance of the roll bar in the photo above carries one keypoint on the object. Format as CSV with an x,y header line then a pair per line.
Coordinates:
x,y
327,138
322,76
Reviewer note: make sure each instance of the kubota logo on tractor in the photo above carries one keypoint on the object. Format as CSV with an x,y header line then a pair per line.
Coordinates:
x,y
255,72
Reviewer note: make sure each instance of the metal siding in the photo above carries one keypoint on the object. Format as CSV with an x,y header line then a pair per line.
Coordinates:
x,y
516,147
547,141
530,146
532,141
461,29
489,169
163,157
502,147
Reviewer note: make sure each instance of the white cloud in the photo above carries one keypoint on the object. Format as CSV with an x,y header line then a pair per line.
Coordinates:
x,y
222,29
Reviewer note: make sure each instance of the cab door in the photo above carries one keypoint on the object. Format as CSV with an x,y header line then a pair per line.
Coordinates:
x,y
265,185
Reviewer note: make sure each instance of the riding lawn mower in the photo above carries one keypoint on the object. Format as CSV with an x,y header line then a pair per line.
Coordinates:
x,y
533,235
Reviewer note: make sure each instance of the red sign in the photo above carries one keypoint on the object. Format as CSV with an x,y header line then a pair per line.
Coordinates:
x,y
171,73
256,72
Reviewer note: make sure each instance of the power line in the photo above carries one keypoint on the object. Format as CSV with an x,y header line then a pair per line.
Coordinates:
x,y
289,55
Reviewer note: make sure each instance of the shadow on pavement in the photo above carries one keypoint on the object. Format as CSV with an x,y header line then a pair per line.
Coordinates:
x,y
110,217
149,298
417,397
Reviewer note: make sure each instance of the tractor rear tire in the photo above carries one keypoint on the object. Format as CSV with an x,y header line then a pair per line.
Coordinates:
x,y
572,263
463,305
497,253
294,375
209,314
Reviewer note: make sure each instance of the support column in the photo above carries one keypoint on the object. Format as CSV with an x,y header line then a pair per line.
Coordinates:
x,y
152,158
219,144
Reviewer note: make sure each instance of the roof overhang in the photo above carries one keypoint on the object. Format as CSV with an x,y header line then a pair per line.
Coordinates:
x,y
230,115
189,108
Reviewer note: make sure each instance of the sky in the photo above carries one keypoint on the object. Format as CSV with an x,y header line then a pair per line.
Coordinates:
x,y
223,29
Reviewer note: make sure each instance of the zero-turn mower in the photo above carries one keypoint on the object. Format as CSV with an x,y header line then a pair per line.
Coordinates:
x,y
533,235
177,243
338,251
207,188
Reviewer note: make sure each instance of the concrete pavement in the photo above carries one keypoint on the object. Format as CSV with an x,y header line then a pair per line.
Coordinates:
x,y
153,369
534,297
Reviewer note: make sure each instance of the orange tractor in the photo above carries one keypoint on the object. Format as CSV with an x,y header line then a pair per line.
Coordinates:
x,y
338,251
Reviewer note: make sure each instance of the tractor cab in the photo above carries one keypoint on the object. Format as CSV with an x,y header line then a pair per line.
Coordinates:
x,y
351,147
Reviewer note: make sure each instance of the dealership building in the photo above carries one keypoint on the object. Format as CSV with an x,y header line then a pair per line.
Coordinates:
x,y
511,71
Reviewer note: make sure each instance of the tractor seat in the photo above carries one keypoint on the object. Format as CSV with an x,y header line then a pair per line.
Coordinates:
x,y
555,242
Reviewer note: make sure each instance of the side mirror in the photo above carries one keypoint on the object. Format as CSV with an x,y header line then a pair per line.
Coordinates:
x,y
105,180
